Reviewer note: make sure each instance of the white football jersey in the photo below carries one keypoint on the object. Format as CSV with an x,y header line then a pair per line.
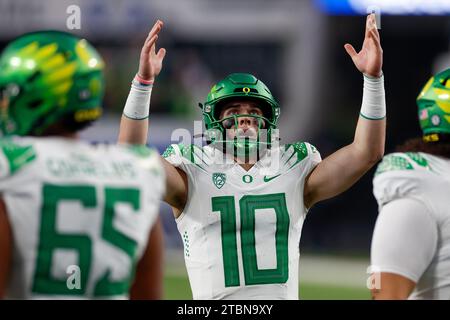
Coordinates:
x,y
80,215
241,229
425,179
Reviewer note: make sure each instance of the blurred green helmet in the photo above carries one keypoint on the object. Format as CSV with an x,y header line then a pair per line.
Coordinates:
x,y
434,106
242,86
46,77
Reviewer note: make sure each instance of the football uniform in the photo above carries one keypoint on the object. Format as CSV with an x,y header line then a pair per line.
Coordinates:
x,y
80,215
241,229
412,233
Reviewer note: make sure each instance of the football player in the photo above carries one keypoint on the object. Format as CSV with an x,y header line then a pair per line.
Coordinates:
x,y
240,216
411,240
75,218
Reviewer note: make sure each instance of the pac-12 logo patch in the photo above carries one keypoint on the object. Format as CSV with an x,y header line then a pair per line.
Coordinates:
x,y
219,179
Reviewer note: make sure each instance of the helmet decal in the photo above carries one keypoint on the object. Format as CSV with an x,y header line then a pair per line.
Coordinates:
x,y
47,76
434,105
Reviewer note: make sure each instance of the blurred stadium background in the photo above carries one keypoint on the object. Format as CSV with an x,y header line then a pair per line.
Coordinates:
x,y
296,48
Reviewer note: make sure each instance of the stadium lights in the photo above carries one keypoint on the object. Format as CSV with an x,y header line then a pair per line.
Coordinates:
x,y
392,7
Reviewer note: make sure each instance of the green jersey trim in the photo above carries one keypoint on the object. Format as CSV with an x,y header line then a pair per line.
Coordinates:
x,y
16,155
140,151
402,161
300,150
194,154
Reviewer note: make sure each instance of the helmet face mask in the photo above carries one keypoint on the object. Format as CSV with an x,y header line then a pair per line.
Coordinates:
x,y
239,87
434,106
47,77
243,144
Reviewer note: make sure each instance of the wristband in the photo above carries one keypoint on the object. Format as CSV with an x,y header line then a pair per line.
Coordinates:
x,y
373,105
137,106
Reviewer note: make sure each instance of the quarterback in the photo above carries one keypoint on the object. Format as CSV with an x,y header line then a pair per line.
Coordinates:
x,y
240,224
411,239
75,219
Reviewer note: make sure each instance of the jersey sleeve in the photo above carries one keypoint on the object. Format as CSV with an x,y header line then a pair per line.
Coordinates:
x,y
150,161
14,156
398,176
300,155
4,165
313,155
186,157
404,239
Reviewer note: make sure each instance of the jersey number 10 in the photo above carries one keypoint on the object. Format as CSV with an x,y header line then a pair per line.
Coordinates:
x,y
248,205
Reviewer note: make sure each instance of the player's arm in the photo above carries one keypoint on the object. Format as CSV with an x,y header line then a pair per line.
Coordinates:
x,y
5,249
148,281
343,168
398,254
394,287
134,124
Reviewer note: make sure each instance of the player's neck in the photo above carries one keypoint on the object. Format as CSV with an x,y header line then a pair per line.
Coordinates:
x,y
246,164
72,135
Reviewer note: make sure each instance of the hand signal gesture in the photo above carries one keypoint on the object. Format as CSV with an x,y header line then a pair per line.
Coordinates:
x,y
150,63
370,59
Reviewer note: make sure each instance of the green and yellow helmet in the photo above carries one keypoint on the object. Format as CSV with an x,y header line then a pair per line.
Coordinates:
x,y
240,86
48,76
434,106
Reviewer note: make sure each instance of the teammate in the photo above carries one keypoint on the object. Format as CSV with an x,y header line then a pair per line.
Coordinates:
x,y
411,240
239,215
75,219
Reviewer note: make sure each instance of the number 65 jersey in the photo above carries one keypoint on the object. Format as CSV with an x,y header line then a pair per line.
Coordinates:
x,y
241,229
80,215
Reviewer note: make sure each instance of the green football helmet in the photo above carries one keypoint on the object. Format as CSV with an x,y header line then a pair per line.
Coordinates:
x,y
434,106
48,76
245,87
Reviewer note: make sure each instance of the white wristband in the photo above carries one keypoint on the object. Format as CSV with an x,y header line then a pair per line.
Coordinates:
x,y
373,105
137,106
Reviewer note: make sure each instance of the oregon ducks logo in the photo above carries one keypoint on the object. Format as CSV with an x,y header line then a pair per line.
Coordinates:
x,y
219,179
246,90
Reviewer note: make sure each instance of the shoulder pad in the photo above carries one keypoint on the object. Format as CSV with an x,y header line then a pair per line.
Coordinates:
x,y
14,156
402,161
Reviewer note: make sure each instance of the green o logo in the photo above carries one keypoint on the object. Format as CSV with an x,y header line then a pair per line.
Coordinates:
x,y
246,90
247,178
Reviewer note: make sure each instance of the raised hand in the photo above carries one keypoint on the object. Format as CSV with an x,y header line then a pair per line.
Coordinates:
x,y
150,63
370,59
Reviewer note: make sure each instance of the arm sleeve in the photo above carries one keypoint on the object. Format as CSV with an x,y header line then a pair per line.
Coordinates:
x,y
404,240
